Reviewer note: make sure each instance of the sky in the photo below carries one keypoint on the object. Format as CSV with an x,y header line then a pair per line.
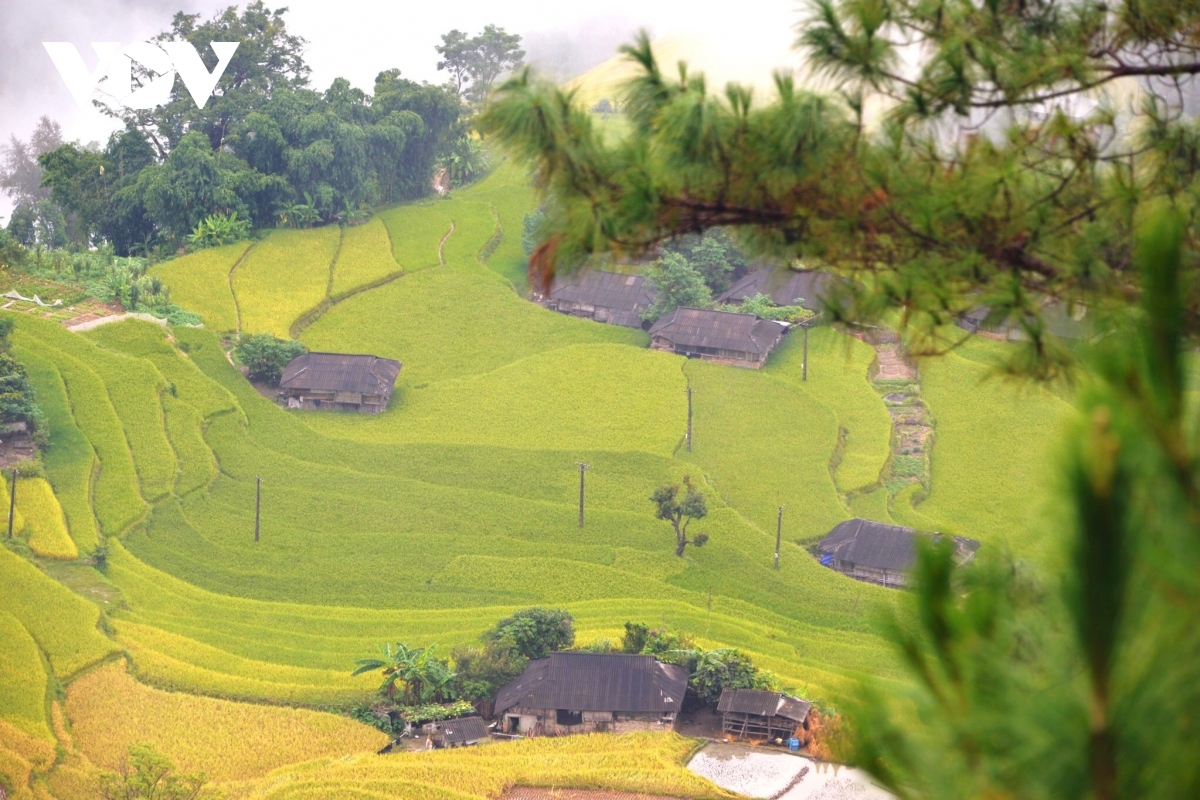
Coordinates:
x,y
356,39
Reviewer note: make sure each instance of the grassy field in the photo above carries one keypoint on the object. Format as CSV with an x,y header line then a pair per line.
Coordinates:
x,y
457,505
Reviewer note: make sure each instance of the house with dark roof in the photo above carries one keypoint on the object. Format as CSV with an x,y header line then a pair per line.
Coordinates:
x,y
877,553
603,296
785,287
741,340
570,693
1055,316
754,714
462,732
339,382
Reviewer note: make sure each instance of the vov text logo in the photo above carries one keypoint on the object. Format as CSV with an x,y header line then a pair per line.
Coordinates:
x,y
114,72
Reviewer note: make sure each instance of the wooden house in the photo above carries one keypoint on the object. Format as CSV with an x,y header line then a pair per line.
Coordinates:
x,y
569,693
878,553
741,340
602,296
339,382
785,287
754,714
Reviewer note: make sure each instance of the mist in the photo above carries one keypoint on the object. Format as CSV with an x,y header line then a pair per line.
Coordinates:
x,y
356,39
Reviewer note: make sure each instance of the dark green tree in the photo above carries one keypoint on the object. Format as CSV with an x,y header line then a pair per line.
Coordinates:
x,y
482,670
710,257
265,356
535,632
680,506
678,284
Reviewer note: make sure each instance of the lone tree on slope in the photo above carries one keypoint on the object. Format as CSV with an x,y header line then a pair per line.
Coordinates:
x,y
681,511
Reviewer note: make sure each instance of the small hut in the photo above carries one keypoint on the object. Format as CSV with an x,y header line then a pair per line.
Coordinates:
x,y
463,732
602,296
877,553
727,337
785,287
750,713
339,381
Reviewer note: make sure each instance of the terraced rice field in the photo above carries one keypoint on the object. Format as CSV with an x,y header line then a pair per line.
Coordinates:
x,y
451,509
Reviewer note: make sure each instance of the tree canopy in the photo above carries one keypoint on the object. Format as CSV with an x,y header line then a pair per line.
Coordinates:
x,y
474,62
266,146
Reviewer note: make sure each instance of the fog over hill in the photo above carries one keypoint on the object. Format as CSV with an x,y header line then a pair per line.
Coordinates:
x,y
356,39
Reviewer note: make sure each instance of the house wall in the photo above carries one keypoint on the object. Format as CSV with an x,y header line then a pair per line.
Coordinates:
x,y
331,401
732,358
544,722
883,577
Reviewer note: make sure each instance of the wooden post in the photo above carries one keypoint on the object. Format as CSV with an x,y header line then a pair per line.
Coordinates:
x,y
804,364
257,504
582,469
689,391
778,536
12,502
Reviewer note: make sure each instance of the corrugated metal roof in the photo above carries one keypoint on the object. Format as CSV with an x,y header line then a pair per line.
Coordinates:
x,y
341,372
628,293
866,543
597,682
464,731
785,287
763,704
722,330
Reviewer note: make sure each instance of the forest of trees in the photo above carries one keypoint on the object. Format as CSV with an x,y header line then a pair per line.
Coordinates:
x,y
267,146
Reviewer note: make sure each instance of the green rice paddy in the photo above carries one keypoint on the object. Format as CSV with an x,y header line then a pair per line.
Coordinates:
x,y
457,504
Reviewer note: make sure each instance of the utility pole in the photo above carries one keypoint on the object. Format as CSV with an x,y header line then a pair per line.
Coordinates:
x,y
778,536
257,503
804,368
582,469
689,391
12,502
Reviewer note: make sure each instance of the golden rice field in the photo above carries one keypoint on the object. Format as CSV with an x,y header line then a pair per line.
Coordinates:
x,y
283,276
651,763
200,283
44,524
364,258
109,711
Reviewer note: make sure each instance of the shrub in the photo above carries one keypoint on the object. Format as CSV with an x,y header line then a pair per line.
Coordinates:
x,y
266,355
148,774
481,671
536,632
